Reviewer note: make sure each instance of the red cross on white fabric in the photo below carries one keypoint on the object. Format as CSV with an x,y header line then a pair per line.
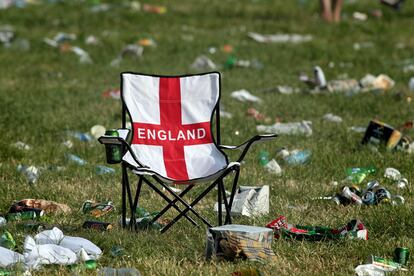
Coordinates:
x,y
171,133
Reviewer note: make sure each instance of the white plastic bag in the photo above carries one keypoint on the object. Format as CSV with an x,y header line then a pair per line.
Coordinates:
x,y
76,244
9,258
250,201
36,255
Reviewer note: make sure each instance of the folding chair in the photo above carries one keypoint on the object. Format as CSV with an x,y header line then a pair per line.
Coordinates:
x,y
173,143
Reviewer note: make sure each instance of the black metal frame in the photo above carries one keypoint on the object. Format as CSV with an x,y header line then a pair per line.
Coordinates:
x,y
127,196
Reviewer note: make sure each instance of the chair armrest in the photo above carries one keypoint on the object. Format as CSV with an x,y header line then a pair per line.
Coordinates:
x,y
114,140
121,140
246,145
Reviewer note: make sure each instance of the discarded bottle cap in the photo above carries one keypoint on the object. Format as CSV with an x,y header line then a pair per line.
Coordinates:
x,y
392,174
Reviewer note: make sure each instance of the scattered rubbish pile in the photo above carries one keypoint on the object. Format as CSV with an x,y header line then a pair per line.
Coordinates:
x,y
374,193
61,41
369,83
377,266
50,247
354,229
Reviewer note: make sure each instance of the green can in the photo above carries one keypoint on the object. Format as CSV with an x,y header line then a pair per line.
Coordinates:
x,y
4,272
27,215
113,152
401,255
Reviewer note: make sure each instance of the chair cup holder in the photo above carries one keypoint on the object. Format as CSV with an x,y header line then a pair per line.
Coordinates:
x,y
113,154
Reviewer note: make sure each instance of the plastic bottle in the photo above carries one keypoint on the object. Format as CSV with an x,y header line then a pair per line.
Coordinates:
x,y
298,158
104,170
75,159
32,173
263,157
84,137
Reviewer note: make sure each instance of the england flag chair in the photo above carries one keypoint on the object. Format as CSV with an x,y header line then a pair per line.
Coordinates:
x,y
172,142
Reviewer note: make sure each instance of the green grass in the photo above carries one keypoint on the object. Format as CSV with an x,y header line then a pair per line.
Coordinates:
x,y
44,93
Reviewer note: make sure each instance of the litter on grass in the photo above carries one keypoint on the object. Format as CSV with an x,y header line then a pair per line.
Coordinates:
x,y
232,241
295,128
280,38
354,229
131,50
332,118
249,201
97,209
202,63
47,206
30,172
22,146
245,96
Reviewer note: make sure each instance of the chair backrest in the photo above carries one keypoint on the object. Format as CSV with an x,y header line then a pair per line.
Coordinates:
x,y
172,124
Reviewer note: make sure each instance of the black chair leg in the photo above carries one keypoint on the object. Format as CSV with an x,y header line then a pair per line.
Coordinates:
x,y
233,192
183,213
125,183
133,220
220,202
167,199
226,204
162,212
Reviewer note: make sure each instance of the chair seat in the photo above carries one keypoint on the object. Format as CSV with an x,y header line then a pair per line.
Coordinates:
x,y
201,161
209,178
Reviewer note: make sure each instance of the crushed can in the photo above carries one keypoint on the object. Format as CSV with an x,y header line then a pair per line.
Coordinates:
x,y
368,198
382,195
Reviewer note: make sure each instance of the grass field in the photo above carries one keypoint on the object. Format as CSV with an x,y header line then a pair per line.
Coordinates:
x,y
44,93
